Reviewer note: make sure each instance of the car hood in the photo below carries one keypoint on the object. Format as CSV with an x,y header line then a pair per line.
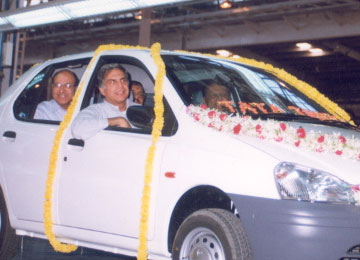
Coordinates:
x,y
339,165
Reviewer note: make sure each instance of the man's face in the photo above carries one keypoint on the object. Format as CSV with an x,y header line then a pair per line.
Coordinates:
x,y
138,93
63,88
116,87
216,93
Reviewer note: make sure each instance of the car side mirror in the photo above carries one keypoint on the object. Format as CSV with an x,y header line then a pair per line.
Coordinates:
x,y
141,117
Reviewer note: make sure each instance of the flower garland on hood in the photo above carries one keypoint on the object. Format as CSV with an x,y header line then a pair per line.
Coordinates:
x,y
280,132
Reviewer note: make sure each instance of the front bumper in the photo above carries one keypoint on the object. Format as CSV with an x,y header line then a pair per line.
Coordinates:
x,y
286,229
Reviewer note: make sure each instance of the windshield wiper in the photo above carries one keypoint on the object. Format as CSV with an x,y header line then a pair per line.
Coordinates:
x,y
287,117
340,124
304,118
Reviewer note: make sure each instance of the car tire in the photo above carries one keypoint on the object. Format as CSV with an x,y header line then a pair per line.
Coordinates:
x,y
8,240
211,234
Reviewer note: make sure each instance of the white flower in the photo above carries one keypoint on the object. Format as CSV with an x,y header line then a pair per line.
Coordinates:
x,y
270,130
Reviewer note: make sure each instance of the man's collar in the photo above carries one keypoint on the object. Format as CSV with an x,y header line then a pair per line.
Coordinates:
x,y
116,107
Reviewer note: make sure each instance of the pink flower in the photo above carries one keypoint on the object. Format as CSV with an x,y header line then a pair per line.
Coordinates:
x,y
220,128
342,139
258,129
338,152
282,126
261,137
359,156
301,132
321,139
237,129
278,139
196,116
223,117
212,114
320,149
355,187
203,106
297,143
210,124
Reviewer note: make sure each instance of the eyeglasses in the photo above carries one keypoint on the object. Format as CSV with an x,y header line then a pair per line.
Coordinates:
x,y
59,85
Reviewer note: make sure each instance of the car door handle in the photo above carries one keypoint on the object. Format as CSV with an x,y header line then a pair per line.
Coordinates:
x,y
76,142
9,134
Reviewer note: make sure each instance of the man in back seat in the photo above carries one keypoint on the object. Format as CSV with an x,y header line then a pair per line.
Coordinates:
x,y
138,92
63,85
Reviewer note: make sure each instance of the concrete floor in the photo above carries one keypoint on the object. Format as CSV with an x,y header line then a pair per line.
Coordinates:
x,y
39,249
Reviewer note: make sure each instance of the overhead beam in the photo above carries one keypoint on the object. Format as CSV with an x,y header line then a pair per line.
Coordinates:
x,y
202,35
317,27
337,47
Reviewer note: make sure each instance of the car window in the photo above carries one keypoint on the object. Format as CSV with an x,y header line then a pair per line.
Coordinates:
x,y
38,91
136,71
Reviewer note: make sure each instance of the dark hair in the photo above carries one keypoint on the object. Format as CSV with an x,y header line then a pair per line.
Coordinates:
x,y
69,71
134,82
108,67
215,82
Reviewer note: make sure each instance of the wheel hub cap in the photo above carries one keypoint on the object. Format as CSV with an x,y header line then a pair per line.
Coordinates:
x,y
202,244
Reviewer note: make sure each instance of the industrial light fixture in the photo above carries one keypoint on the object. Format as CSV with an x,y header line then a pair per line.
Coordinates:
x,y
224,53
3,21
53,12
303,46
225,4
138,15
317,52
92,7
37,17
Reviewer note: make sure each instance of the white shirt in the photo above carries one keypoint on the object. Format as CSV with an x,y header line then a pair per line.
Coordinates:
x,y
49,110
94,118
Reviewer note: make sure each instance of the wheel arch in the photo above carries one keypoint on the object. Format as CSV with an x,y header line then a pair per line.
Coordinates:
x,y
197,198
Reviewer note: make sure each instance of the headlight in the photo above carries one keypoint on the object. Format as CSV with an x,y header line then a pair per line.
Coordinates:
x,y
302,183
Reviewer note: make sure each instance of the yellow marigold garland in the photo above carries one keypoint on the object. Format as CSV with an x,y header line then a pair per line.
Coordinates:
x,y
156,132
302,86
48,223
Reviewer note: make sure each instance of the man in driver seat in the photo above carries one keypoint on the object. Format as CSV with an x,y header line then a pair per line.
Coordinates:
x,y
114,86
217,96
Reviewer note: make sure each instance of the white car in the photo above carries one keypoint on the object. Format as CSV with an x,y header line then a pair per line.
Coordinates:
x,y
264,172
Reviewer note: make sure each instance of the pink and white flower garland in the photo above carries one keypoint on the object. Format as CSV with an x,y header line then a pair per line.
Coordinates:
x,y
280,132
277,131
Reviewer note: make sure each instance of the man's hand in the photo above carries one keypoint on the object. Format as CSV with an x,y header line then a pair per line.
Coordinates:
x,y
119,121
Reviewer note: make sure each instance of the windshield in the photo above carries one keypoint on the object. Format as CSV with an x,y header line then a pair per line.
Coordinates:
x,y
234,88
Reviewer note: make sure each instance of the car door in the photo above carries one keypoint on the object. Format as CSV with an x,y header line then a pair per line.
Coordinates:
x,y
26,143
102,178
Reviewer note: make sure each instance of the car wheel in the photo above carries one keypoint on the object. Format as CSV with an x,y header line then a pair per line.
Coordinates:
x,y
8,240
211,234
